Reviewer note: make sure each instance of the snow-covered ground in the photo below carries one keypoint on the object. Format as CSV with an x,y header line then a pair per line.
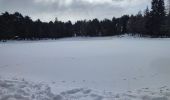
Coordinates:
x,y
106,68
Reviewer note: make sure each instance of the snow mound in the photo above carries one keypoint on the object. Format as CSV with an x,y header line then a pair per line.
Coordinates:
x,y
22,90
15,89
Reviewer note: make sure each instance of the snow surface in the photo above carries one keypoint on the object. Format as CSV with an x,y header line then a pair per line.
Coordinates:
x,y
106,68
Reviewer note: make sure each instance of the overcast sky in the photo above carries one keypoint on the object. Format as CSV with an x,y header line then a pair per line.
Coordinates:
x,y
65,10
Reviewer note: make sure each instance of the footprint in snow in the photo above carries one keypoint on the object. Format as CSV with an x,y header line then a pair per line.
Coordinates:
x,y
73,91
97,97
63,81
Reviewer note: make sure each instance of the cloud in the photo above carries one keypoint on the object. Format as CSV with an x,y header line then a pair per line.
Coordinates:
x,y
73,10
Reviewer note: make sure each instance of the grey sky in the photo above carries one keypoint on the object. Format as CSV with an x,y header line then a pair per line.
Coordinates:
x,y
73,10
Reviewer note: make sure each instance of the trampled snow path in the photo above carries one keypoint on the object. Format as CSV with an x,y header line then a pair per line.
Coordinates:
x,y
15,89
108,67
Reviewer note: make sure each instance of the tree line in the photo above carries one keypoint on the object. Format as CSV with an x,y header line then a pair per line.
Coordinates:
x,y
153,22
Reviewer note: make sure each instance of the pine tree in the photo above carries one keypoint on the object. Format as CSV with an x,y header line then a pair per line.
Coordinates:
x,y
161,9
157,17
167,26
168,6
146,21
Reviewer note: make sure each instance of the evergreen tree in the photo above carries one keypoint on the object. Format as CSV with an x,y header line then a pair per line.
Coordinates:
x,y
157,17
124,21
147,23
136,24
166,27
168,5
152,23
